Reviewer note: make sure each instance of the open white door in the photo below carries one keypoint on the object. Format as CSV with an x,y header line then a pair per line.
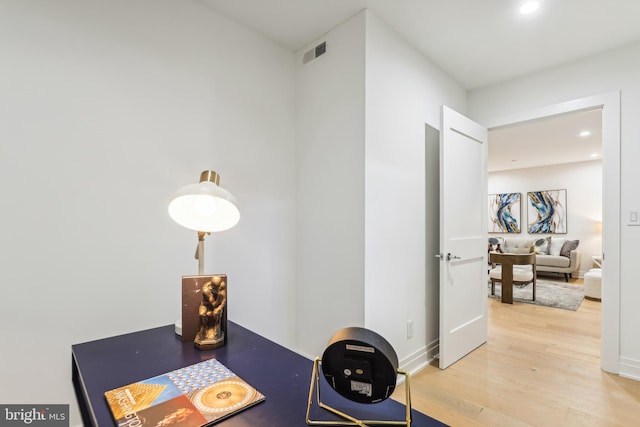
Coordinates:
x,y
463,236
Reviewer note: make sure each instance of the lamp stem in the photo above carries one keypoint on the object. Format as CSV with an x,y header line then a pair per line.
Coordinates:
x,y
200,257
200,253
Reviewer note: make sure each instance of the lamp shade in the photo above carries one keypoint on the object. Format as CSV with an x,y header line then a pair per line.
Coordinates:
x,y
205,206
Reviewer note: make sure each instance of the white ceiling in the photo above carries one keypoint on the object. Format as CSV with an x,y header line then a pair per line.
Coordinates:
x,y
550,141
477,42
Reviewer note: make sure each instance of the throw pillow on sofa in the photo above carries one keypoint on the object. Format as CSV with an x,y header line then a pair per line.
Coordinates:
x,y
496,244
542,248
555,246
568,246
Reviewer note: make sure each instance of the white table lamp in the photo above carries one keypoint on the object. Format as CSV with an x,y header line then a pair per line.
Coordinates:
x,y
205,207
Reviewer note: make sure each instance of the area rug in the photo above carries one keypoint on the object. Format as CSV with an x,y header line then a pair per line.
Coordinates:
x,y
548,293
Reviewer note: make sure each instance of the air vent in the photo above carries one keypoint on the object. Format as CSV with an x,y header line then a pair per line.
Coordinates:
x,y
314,53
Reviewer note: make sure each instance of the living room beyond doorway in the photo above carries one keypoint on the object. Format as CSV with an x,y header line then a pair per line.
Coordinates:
x,y
549,154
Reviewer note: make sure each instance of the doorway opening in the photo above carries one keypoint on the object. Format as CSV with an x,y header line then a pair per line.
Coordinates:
x,y
609,104
558,152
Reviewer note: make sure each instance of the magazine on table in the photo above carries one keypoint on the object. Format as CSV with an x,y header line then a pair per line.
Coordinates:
x,y
197,395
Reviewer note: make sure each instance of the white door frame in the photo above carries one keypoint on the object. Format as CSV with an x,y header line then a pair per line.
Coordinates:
x,y
611,211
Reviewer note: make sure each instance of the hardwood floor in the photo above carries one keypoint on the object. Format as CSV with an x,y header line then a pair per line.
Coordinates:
x,y
540,367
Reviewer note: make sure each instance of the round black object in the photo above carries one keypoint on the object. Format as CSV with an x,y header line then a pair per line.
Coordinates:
x,y
360,365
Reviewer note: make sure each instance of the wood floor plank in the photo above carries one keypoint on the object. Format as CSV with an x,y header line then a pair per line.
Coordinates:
x,y
540,367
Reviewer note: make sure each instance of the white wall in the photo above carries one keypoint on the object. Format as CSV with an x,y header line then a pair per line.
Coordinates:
x,y
330,179
361,187
106,109
583,182
405,91
610,71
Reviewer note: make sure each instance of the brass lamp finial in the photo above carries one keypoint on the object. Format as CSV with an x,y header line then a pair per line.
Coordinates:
x,y
211,176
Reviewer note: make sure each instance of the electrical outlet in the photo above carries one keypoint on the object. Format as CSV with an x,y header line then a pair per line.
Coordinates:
x,y
409,329
633,217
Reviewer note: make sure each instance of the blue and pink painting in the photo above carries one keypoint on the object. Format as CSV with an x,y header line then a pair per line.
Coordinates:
x,y
504,213
546,212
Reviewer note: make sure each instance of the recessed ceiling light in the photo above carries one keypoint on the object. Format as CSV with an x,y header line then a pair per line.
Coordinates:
x,y
529,7
585,133
594,155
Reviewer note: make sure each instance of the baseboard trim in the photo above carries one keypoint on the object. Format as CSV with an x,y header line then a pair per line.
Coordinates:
x,y
629,368
420,359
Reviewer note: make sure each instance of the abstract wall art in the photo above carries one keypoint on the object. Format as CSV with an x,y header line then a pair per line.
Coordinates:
x,y
504,213
547,212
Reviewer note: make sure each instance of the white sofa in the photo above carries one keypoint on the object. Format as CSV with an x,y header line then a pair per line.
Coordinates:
x,y
555,255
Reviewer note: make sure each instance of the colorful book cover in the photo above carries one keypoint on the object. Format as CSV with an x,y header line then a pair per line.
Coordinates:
x,y
194,396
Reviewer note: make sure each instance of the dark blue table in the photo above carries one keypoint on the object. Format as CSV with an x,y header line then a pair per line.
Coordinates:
x,y
280,374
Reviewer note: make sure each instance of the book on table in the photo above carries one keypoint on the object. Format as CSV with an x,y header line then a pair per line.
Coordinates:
x,y
197,395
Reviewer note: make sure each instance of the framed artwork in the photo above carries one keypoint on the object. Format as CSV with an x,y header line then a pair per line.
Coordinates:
x,y
504,213
547,212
